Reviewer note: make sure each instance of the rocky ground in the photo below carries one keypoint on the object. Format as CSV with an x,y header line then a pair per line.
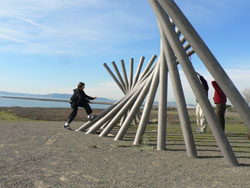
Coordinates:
x,y
43,154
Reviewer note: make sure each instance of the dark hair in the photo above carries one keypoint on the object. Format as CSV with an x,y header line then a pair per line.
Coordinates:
x,y
80,85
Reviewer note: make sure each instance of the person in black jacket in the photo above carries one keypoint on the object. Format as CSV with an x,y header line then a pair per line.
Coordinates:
x,y
79,99
200,117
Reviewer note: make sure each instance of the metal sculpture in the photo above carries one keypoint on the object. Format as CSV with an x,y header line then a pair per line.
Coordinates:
x,y
177,36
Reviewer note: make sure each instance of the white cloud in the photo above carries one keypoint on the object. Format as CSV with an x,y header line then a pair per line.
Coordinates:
x,y
106,89
68,25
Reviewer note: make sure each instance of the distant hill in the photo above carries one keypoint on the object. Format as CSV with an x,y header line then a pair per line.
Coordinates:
x,y
67,96
49,96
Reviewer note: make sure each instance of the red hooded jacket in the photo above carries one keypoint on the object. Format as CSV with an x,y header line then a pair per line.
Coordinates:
x,y
219,96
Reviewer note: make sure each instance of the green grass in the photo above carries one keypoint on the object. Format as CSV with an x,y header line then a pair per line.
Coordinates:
x,y
235,132
9,116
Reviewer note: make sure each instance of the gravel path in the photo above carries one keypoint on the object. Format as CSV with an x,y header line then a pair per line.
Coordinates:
x,y
43,154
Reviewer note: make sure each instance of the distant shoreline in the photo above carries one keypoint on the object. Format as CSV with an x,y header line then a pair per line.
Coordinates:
x,y
46,114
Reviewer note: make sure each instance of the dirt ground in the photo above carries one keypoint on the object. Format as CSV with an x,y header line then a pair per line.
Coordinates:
x,y
42,154
61,114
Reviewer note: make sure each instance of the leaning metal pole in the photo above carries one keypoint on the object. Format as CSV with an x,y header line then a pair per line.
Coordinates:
x,y
125,75
180,99
100,116
162,112
148,106
208,59
137,104
194,82
131,68
130,103
110,114
114,78
113,111
121,113
119,76
138,71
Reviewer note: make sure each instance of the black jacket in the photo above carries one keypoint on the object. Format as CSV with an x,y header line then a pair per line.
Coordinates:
x,y
79,98
204,83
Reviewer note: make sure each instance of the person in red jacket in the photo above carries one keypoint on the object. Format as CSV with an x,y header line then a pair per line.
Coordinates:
x,y
220,101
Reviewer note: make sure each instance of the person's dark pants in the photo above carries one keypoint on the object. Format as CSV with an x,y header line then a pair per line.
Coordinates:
x,y
220,113
73,114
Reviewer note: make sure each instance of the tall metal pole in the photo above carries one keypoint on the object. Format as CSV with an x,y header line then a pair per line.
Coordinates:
x,y
208,59
109,113
138,103
121,113
148,106
194,83
180,99
136,90
162,112
125,75
114,111
114,78
131,73
119,76
150,63
100,116
138,71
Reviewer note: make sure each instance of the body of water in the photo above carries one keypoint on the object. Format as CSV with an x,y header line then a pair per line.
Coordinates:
x,y
5,102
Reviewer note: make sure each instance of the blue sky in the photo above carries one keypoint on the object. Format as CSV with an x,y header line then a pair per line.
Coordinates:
x,y
49,46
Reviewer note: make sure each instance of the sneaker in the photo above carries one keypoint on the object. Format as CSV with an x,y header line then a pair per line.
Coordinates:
x,y
197,130
200,131
91,117
68,128
203,131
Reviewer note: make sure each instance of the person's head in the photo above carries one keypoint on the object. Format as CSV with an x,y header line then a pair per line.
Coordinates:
x,y
81,85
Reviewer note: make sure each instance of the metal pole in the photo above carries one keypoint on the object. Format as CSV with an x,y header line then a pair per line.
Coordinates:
x,y
113,111
114,78
148,106
105,125
194,83
101,115
137,104
110,114
146,75
180,99
119,76
208,59
125,75
162,115
150,63
138,70
123,118
121,113
131,73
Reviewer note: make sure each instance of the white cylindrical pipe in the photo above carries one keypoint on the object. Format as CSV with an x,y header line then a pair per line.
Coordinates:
x,y
180,99
162,112
125,75
194,82
114,78
119,76
131,73
208,59
137,105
